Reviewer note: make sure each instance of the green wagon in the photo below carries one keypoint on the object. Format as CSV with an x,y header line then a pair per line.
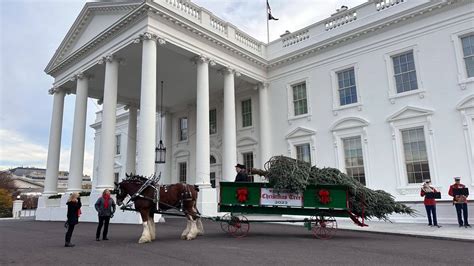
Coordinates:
x,y
319,204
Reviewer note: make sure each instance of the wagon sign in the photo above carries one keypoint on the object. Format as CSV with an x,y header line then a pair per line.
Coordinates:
x,y
273,197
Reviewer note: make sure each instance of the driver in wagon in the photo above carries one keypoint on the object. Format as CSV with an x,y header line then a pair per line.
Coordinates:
x,y
242,175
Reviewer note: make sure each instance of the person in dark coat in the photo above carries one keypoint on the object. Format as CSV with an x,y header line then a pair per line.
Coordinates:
x,y
241,173
105,207
73,211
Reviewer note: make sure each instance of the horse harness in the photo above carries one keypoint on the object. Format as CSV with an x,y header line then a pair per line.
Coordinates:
x,y
186,195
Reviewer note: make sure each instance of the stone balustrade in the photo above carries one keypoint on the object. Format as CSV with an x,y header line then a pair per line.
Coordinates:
x,y
295,38
384,4
340,19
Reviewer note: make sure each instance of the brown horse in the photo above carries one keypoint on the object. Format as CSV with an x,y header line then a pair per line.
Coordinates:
x,y
176,196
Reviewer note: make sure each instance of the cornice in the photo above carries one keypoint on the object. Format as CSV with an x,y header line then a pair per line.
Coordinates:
x,y
148,8
359,33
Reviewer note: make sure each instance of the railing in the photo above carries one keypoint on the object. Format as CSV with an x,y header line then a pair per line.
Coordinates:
x,y
185,7
24,213
340,20
295,38
248,41
384,4
219,25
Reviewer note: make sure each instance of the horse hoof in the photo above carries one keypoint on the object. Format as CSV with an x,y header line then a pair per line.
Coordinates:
x,y
184,237
142,241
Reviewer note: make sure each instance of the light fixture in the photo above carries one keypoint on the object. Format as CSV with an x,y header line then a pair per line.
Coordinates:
x,y
160,151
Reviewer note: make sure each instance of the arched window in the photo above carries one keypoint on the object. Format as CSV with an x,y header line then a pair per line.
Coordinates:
x,y
212,160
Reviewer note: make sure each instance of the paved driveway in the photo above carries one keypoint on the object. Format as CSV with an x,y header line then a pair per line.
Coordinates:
x,y
41,243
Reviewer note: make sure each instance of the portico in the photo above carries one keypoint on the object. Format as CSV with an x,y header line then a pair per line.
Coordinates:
x,y
125,70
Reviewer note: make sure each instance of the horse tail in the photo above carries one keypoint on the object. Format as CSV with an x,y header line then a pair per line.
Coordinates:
x,y
196,187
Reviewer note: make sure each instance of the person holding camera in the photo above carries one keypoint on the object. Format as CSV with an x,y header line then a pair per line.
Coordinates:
x,y
459,201
73,211
430,203
105,207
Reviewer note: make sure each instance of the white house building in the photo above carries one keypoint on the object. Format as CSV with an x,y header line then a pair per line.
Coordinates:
x,y
383,91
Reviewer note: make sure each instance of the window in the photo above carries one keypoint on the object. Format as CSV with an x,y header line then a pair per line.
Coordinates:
x,y
213,179
416,157
183,128
116,177
468,51
117,144
353,158
212,121
248,159
347,87
404,72
212,160
300,103
247,113
303,152
182,172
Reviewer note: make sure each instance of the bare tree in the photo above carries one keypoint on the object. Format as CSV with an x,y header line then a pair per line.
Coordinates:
x,y
6,181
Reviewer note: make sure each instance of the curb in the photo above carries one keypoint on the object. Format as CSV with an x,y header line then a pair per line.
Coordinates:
x,y
412,235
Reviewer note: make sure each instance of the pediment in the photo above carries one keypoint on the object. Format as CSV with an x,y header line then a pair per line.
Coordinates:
x,y
93,19
300,132
246,141
349,122
466,103
181,153
409,112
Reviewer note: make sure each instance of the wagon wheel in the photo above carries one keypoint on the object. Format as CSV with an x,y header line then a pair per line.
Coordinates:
x,y
325,226
239,226
225,220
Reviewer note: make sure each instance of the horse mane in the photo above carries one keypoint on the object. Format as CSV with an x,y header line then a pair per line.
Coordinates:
x,y
132,178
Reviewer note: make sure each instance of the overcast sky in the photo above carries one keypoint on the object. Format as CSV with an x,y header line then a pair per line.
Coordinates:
x,y
31,31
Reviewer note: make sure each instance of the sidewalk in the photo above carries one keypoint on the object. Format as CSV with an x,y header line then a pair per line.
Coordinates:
x,y
447,231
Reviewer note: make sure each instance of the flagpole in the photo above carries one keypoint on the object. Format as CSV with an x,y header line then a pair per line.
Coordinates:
x,y
268,21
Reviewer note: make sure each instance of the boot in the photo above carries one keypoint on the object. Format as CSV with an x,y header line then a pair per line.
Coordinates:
x,y
69,245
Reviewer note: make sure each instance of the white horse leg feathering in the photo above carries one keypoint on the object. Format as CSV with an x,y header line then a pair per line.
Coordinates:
x,y
193,231
186,230
145,238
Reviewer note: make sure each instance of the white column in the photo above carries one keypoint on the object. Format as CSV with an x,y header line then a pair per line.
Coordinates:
x,y
229,139
54,148
107,140
131,140
168,140
265,136
202,124
146,141
78,135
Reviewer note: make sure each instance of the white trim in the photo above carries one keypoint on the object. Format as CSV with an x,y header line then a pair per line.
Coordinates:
x,y
351,127
291,108
399,121
463,79
298,136
466,110
336,104
392,89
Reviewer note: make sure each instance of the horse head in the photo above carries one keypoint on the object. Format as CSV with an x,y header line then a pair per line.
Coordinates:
x,y
129,186
120,193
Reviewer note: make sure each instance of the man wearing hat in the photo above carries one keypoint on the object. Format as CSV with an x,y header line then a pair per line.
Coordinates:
x,y
430,203
241,173
460,202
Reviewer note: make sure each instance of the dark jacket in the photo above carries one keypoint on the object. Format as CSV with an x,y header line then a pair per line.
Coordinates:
x,y
72,211
102,211
242,177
